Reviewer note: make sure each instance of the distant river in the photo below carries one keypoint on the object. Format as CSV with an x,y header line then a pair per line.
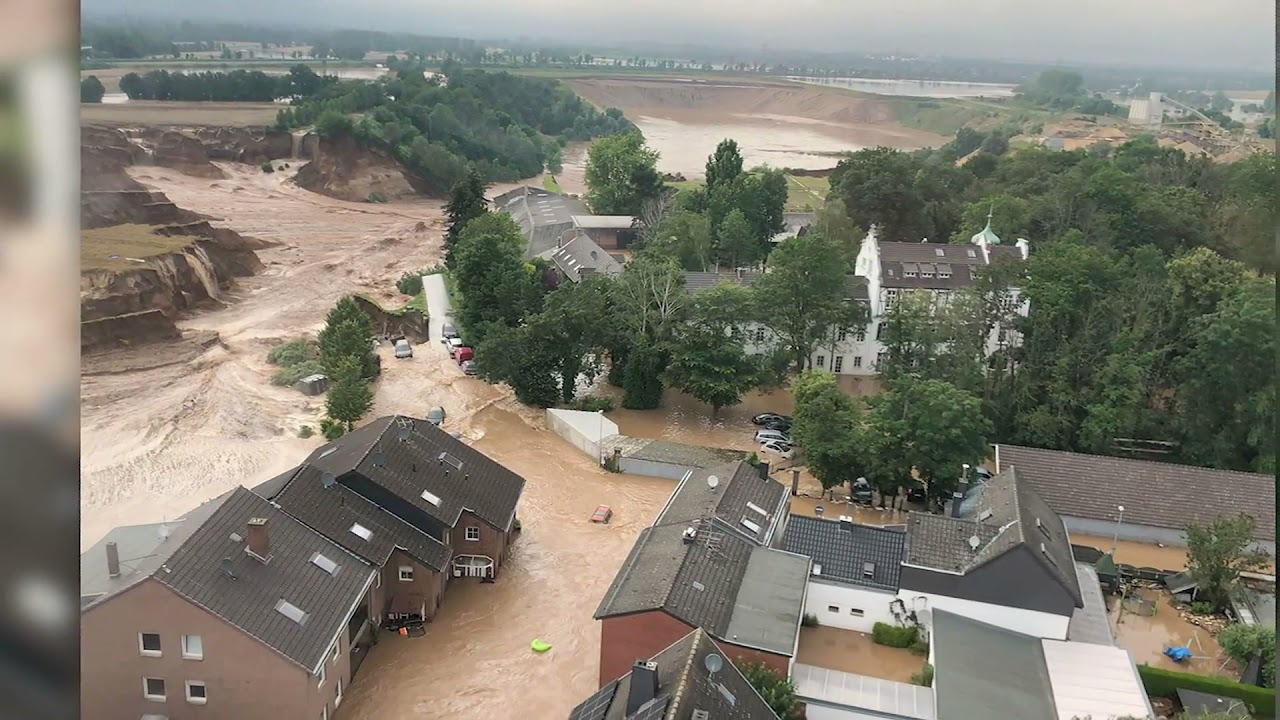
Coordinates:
x,y
913,88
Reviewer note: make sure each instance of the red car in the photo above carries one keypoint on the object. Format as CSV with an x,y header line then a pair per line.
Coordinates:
x,y
463,354
602,514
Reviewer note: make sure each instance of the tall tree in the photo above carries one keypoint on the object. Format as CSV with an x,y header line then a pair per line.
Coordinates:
x,y
708,356
466,203
496,285
621,175
877,187
777,690
347,335
651,298
724,165
1218,552
685,236
802,299
92,90
642,381
736,243
349,396
826,428
939,426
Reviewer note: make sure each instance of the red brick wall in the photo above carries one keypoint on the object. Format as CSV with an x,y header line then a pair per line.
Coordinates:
x,y
628,638
426,582
493,543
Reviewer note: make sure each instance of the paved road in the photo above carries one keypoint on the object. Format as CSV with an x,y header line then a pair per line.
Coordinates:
x,y
437,305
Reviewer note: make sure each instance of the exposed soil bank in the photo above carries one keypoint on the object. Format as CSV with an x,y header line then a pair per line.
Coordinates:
x,y
343,170
781,124
411,323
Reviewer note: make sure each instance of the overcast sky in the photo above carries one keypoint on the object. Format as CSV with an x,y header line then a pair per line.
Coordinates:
x,y
1238,34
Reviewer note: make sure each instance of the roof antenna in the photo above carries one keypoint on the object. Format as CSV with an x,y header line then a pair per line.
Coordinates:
x,y
328,480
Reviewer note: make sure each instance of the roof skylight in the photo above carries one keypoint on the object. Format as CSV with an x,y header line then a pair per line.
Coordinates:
x,y
291,611
757,508
324,564
753,527
431,497
361,531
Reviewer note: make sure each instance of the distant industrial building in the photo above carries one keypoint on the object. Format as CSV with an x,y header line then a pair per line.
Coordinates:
x,y
1147,111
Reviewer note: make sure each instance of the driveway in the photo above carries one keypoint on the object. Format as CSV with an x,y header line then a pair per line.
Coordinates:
x,y
437,305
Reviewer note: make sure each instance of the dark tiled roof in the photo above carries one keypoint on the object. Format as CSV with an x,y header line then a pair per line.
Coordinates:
x,y
684,686
1157,494
1003,514
374,455
702,583
855,287
982,671
694,281
739,491
334,510
543,216
841,550
272,487
897,259
248,601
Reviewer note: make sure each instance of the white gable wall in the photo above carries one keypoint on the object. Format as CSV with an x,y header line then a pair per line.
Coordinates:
x,y
1030,622
833,604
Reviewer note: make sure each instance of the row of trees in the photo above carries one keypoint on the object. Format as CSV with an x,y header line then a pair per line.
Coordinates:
x,y
507,126
346,356
1064,90
234,86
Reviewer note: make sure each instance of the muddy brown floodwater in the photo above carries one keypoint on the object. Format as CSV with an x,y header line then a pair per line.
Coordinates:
x,y
854,652
1147,624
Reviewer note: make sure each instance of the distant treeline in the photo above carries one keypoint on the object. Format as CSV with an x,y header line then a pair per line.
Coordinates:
x,y
235,86
121,39
508,126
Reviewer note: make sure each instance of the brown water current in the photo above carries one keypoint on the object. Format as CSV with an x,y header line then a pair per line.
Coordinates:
x,y
854,652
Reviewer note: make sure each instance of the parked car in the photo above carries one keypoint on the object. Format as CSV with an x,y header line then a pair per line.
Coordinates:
x,y
763,435
766,417
860,491
453,344
915,491
403,348
779,425
983,474
435,415
469,367
779,448
464,354
447,331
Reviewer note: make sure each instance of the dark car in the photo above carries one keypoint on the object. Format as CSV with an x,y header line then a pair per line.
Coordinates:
x,y
915,492
783,426
860,491
768,417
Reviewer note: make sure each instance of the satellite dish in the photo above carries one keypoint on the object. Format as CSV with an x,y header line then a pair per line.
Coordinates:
x,y
404,433
712,482
378,459
714,663
327,479
974,542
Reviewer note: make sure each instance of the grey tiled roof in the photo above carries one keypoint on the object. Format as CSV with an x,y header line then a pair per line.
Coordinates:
x,y
248,600
684,686
982,671
334,510
582,255
699,582
739,486
373,460
270,488
1157,494
694,281
842,550
1003,514
543,216
898,258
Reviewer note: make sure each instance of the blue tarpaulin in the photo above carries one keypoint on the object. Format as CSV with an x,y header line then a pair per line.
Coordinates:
x,y
1178,654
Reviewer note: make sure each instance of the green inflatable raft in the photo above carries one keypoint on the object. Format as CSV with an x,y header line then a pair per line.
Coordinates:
x,y
539,647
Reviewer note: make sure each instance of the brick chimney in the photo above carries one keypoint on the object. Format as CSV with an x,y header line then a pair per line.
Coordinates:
x,y
259,544
113,560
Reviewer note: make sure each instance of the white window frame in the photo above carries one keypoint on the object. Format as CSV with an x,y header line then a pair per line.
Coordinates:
x,y
861,336
833,608
320,681
403,569
822,361
759,336
857,361
476,534
197,700
856,612
146,693
337,650
838,364
337,700
192,655
142,650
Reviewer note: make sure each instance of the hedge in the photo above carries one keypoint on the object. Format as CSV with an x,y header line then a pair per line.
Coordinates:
x,y
893,635
1166,683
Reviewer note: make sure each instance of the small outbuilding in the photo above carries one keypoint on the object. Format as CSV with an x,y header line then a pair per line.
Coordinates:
x,y
313,384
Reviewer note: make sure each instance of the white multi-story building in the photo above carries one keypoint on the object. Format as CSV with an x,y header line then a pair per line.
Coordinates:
x,y
883,273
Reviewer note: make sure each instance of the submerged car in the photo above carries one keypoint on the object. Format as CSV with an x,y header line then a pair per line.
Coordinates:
x,y
469,367
435,415
453,344
403,348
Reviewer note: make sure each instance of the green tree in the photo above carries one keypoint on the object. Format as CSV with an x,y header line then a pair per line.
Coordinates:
x,y
133,86
777,691
1218,552
574,323
685,236
331,124
940,428
466,203
711,365
642,381
736,244
347,335
522,358
724,165
493,280
91,90
349,396
826,428
651,298
621,174
1244,642
802,298
878,189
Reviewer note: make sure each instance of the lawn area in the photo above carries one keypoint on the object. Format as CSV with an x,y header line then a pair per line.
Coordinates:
x,y
550,184
803,193
124,247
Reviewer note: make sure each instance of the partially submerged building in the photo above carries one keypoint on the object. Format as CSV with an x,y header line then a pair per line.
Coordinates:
x,y
1159,499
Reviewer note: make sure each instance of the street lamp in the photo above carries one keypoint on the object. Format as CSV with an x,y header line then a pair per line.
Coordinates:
x,y
1115,539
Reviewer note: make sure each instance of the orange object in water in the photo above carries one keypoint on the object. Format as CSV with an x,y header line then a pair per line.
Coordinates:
x,y
404,631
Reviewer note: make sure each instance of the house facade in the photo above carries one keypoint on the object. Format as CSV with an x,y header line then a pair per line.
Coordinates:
x,y
611,232
236,610
419,505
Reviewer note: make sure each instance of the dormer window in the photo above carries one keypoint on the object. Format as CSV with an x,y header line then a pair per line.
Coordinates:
x,y
972,253
940,252
909,274
926,274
